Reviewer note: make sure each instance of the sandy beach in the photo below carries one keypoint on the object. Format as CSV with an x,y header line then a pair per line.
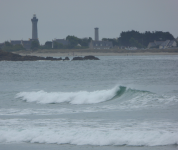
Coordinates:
x,y
94,52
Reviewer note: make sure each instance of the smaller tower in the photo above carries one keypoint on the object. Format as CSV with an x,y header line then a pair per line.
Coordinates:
x,y
34,27
96,34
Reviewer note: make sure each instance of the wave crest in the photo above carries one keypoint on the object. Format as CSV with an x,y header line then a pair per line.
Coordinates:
x,y
126,97
81,97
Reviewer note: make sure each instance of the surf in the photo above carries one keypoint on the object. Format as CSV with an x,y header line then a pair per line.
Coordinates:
x,y
80,97
119,95
63,131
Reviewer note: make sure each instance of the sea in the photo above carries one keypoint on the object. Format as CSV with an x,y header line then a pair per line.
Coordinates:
x,y
115,103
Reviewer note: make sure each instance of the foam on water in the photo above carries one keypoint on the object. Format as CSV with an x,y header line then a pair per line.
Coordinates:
x,y
61,131
81,97
126,97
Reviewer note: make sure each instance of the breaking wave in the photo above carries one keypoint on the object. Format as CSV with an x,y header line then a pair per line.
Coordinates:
x,y
81,97
122,95
57,131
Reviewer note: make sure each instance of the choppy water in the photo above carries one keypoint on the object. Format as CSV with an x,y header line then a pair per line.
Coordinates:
x,y
116,101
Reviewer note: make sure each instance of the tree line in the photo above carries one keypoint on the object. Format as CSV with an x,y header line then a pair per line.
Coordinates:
x,y
140,40
10,48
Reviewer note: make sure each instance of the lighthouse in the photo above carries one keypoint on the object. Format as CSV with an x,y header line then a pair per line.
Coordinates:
x,y
34,28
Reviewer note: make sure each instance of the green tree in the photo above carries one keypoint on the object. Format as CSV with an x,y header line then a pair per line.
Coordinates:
x,y
18,47
135,43
114,41
10,48
8,44
57,45
48,45
35,44
74,41
60,46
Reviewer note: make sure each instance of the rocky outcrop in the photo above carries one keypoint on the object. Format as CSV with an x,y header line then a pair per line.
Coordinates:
x,y
66,58
8,56
86,58
77,58
90,58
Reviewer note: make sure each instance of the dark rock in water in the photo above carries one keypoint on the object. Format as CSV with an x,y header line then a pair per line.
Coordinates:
x,y
49,58
77,58
90,58
86,58
60,58
8,56
66,58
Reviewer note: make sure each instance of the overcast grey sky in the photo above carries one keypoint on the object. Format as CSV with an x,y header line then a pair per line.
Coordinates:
x,y
59,18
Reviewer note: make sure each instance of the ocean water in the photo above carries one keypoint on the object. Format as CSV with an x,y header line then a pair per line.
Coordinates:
x,y
118,102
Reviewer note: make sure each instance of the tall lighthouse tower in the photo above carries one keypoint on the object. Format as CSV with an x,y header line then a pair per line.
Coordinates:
x,y
34,28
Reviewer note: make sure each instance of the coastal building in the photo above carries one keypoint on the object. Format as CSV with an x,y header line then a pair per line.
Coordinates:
x,y
15,42
162,44
131,48
96,44
100,45
27,44
34,27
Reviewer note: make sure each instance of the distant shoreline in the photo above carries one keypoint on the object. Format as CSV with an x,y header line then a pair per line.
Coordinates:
x,y
94,52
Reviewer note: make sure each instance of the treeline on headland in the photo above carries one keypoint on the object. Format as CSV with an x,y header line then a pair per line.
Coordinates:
x,y
126,39
140,40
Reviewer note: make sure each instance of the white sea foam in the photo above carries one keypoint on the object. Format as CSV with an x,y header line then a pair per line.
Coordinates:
x,y
148,133
124,99
81,97
127,102
31,111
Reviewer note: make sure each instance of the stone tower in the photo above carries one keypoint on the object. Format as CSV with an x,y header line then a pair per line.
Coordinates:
x,y
34,27
96,34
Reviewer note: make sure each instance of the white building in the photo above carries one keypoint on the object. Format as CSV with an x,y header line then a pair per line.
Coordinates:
x,y
163,44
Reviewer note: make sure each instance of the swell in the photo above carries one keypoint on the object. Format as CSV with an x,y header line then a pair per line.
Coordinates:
x,y
124,96
81,97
